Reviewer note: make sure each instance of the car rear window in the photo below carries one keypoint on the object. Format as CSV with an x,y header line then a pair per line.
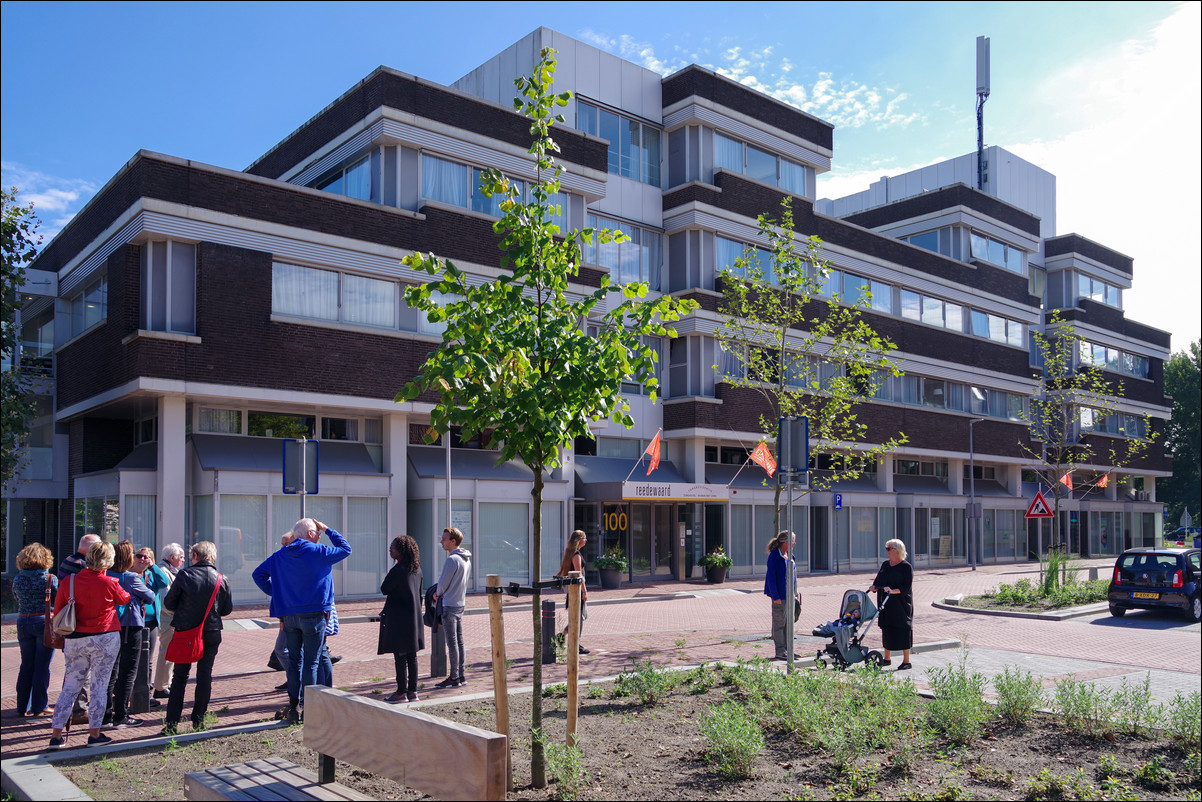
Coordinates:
x,y
1152,562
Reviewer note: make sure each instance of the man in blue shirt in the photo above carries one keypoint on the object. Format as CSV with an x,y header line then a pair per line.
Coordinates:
x,y
299,579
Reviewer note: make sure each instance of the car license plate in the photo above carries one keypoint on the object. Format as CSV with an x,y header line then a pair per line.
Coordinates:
x,y
1136,595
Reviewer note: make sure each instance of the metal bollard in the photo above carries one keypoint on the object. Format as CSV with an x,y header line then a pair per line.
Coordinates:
x,y
548,631
438,650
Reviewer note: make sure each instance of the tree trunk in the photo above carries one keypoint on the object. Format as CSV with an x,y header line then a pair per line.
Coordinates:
x,y
538,768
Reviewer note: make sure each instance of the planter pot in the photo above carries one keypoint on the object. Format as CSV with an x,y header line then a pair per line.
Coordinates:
x,y
611,578
716,575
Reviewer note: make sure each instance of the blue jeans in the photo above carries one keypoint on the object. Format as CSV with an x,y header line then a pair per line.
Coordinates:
x,y
33,678
306,635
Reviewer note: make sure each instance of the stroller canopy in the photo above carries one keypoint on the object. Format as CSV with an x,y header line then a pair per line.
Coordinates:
x,y
854,600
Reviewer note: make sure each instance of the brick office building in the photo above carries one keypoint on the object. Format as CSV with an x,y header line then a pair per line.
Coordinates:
x,y
199,314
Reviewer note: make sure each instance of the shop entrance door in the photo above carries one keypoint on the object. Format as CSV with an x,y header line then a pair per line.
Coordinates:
x,y
661,536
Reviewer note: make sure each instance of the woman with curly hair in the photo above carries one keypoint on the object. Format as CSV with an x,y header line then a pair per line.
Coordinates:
x,y
32,585
401,632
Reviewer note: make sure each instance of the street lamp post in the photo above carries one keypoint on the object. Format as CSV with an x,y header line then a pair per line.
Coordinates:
x,y
974,514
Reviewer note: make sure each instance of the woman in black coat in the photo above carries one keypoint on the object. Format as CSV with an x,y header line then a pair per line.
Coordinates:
x,y
401,632
895,581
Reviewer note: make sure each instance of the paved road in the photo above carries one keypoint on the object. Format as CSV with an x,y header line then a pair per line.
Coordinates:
x,y
685,624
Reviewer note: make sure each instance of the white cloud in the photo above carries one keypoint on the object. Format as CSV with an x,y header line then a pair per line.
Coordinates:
x,y
55,200
1126,176
843,102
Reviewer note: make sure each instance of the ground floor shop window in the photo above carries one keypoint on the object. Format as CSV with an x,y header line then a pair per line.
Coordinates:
x,y
505,548
98,515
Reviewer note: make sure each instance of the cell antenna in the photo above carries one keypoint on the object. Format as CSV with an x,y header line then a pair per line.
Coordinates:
x,y
982,96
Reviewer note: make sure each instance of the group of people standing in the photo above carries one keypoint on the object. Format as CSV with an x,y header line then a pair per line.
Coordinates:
x,y
894,581
124,604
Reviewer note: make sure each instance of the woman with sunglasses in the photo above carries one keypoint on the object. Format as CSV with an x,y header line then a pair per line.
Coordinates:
x,y
895,582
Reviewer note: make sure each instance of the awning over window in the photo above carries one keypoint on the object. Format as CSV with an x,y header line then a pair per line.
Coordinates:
x,y
601,478
143,458
430,462
266,454
920,485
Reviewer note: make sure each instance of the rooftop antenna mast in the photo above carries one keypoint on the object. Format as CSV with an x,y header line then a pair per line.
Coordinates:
x,y
982,96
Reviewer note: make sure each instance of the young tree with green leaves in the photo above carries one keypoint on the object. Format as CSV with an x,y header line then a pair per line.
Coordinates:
x,y
515,358
1183,435
803,356
1067,416
19,246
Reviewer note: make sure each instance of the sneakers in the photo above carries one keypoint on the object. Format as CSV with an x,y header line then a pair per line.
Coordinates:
x,y
162,694
99,740
127,721
582,650
412,697
335,659
57,743
449,682
397,697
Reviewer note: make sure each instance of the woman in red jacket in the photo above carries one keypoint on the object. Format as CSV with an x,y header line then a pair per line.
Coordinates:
x,y
94,644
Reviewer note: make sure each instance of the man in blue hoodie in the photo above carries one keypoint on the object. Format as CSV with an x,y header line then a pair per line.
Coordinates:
x,y
299,580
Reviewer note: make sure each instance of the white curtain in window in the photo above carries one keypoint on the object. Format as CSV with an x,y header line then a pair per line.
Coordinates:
x,y
554,541
358,180
504,544
242,543
728,153
444,181
304,291
141,520
219,421
368,301
367,532
792,177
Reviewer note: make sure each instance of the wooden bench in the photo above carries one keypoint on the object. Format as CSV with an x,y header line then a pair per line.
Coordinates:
x,y
438,757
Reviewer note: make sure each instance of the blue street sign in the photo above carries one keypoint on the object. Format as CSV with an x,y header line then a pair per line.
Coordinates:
x,y
838,501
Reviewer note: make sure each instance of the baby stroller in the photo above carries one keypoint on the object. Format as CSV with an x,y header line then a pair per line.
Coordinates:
x,y
847,633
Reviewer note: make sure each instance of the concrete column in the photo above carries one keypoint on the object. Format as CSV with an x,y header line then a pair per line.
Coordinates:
x,y
884,473
172,472
396,461
955,477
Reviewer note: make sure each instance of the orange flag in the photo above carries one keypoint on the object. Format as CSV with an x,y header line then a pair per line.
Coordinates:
x,y
1067,479
763,457
653,450
1105,480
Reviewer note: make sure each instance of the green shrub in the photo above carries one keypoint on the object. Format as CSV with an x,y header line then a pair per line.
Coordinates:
x,y
1153,775
1108,767
1084,708
565,763
1183,720
1018,594
644,683
734,740
1134,711
959,710
1019,694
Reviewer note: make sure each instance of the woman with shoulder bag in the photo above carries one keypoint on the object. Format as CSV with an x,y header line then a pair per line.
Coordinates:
x,y
198,598
133,632
34,588
93,643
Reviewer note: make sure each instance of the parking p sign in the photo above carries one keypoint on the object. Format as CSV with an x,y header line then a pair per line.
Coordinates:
x,y
838,501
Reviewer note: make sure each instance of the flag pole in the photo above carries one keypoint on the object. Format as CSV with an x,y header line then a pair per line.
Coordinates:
x,y
639,461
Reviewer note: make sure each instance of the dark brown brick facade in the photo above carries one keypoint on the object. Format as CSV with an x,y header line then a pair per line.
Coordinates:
x,y
947,198
387,89
1075,243
700,82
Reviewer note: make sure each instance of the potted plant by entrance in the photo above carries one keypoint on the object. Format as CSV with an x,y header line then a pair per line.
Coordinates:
x,y
612,565
716,564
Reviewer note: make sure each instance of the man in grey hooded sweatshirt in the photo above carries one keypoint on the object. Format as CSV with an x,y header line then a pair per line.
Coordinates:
x,y
452,596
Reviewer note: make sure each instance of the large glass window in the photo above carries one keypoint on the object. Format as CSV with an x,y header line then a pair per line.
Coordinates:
x,y
756,163
276,424
90,306
636,260
444,181
634,147
304,291
729,251
997,253
354,180
368,301
242,543
1100,291
169,287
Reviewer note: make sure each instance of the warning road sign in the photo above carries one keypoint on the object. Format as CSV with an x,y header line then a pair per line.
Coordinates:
x,y
1039,507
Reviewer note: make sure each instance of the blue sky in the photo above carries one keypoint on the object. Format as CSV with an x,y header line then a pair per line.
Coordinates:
x,y
1104,95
